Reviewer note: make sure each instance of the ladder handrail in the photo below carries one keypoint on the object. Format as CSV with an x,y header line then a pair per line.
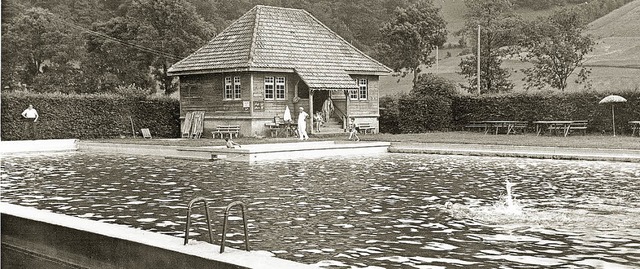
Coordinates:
x,y
206,208
224,225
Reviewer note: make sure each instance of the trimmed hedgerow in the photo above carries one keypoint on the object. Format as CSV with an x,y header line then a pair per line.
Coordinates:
x,y
89,116
389,115
422,113
548,106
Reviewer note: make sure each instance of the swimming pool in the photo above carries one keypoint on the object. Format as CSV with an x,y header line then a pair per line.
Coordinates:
x,y
376,212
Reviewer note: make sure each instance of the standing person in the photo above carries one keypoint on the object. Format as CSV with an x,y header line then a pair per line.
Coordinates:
x,y
317,120
30,116
302,124
353,128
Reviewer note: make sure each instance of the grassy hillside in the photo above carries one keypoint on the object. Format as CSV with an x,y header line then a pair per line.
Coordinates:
x,y
614,63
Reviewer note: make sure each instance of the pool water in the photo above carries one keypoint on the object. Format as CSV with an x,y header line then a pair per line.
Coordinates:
x,y
384,211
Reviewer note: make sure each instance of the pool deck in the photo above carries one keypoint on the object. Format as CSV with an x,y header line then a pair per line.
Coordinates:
x,y
205,153
559,153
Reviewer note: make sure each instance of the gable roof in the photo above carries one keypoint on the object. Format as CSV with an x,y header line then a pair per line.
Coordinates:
x,y
282,39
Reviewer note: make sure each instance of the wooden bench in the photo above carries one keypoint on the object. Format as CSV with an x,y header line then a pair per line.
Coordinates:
x,y
566,127
520,126
580,125
366,127
477,125
223,130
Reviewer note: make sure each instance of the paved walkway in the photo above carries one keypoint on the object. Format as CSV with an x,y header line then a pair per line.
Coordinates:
x,y
587,154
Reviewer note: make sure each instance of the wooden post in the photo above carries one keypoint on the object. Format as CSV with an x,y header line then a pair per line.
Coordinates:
x,y
311,109
478,56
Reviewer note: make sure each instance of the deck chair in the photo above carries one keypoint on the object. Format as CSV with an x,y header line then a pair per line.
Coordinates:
x,y
198,124
186,125
146,133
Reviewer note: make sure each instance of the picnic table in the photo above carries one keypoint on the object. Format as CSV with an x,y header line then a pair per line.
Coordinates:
x,y
635,126
565,126
286,128
509,125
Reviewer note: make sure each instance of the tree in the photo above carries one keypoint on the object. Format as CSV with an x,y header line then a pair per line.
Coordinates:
x,y
152,36
556,46
43,51
499,27
411,36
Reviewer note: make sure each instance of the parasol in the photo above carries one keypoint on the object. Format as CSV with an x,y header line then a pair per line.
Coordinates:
x,y
613,99
287,114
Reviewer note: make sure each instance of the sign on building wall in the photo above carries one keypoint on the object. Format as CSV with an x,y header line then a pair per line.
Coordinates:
x,y
258,106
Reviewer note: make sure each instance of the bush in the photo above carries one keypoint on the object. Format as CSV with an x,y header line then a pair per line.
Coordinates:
x,y
89,116
547,106
416,113
422,113
389,115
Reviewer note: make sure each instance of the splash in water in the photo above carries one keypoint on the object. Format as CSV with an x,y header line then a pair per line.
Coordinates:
x,y
508,204
506,210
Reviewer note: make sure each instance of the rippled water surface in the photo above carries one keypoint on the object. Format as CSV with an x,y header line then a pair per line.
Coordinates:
x,y
376,212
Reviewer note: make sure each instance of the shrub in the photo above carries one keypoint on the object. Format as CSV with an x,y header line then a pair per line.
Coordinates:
x,y
89,116
389,115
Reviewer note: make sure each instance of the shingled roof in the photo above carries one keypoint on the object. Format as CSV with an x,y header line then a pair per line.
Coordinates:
x,y
282,39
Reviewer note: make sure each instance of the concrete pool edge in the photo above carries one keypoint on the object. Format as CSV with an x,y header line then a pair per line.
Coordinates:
x,y
38,146
286,151
533,152
247,153
586,154
126,247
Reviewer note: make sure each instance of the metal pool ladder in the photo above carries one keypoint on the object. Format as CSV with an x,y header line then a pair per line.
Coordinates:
x,y
206,208
224,224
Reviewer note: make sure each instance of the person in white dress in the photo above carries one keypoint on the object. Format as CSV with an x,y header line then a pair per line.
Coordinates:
x,y
302,124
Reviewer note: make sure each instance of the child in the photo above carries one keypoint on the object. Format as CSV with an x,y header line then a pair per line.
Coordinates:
x,y
231,144
353,129
317,121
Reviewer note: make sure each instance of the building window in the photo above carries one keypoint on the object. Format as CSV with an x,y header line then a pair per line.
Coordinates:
x,y
280,88
268,88
237,90
363,89
228,88
362,92
232,88
274,88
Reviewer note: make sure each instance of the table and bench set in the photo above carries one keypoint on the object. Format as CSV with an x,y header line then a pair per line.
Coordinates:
x,y
556,127
514,127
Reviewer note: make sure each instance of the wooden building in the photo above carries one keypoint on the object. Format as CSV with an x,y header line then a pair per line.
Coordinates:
x,y
272,58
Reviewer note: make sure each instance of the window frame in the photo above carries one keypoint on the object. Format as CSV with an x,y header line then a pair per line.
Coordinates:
x,y
362,92
232,88
228,88
363,89
280,88
237,88
275,88
269,92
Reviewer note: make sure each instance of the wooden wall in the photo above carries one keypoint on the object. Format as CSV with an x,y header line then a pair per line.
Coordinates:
x,y
205,92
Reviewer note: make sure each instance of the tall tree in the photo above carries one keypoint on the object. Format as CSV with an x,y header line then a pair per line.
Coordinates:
x,y
154,34
556,46
40,50
498,30
409,38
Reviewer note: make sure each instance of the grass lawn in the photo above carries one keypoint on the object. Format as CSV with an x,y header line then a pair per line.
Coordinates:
x,y
572,141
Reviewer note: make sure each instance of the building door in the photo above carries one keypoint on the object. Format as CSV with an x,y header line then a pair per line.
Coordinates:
x,y
318,100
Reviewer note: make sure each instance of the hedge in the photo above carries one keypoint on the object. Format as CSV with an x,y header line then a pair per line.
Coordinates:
x,y
514,106
89,116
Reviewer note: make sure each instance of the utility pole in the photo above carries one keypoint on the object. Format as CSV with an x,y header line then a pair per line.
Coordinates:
x,y
478,57
437,68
